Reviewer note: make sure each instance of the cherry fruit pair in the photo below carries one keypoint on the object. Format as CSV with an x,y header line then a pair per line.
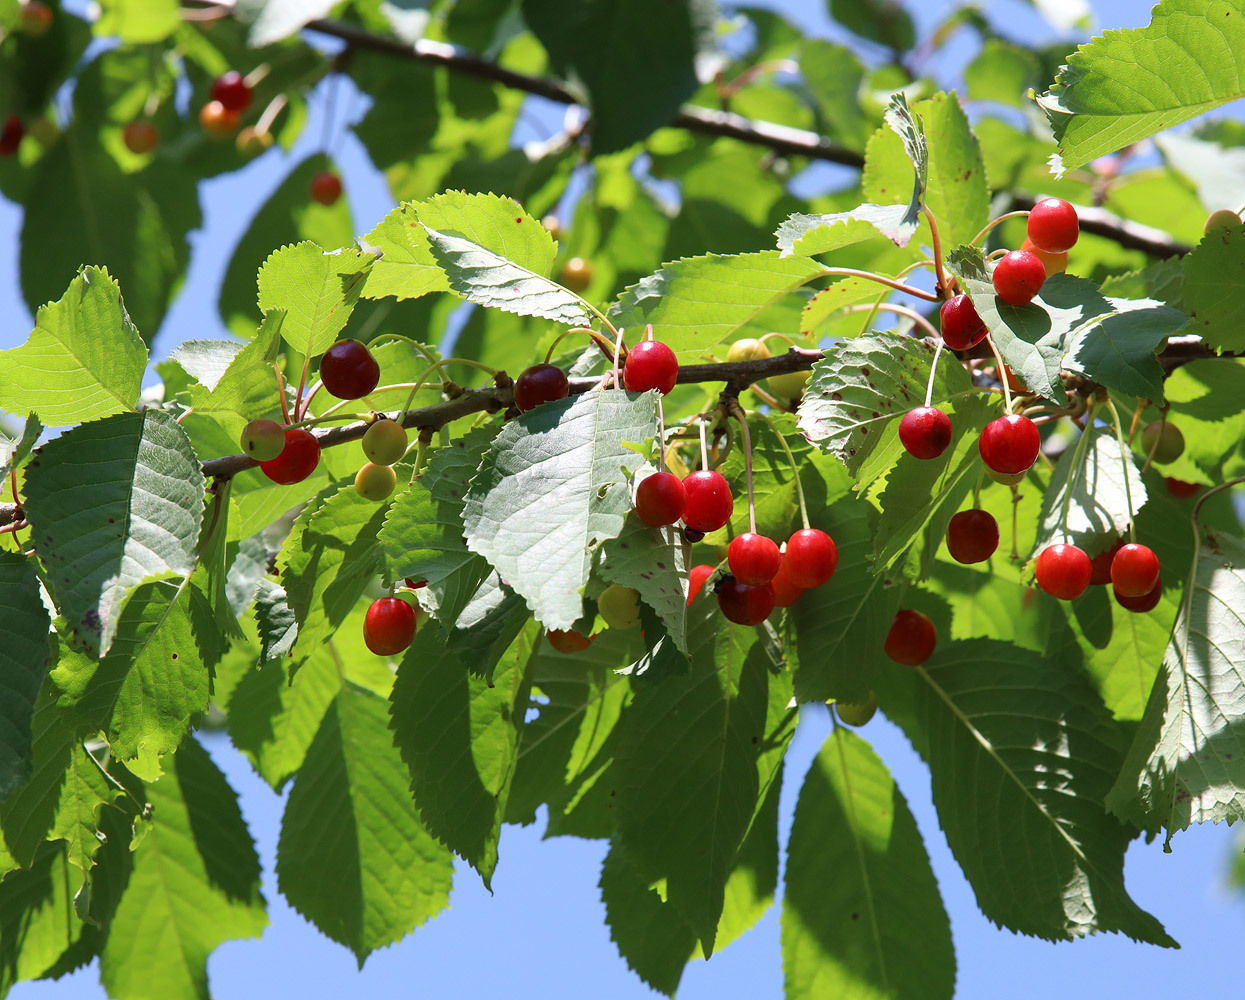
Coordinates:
x,y
285,456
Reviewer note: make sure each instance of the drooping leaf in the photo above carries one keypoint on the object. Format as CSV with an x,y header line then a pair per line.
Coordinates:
x,y
1212,286
15,451
1118,350
317,290
23,665
206,361
112,503
653,562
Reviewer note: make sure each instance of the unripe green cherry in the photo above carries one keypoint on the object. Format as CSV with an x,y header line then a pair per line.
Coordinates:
x,y
748,349
384,443
857,713
619,606
375,482
788,385
262,440
1165,439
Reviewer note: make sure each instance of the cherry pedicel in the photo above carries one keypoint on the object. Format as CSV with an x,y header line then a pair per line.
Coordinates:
x,y
348,370
650,365
786,590
709,501
232,91
1140,605
911,639
1018,277
972,536
1010,444
540,384
389,626
298,459
962,328
1063,571
567,641
925,432
696,581
660,499
744,604
1053,225
1100,565
753,559
811,558
1134,570
325,187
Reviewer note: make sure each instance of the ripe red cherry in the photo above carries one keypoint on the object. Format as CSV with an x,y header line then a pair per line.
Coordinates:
x,y
325,187
709,501
1134,570
567,641
660,498
298,459
962,328
540,384
912,638
389,626
348,370
11,135
1063,571
811,558
140,137
1053,225
1180,489
232,91
1101,564
696,578
753,559
1010,444
1053,263
1140,605
743,604
925,432
972,536
650,365
786,590
1018,277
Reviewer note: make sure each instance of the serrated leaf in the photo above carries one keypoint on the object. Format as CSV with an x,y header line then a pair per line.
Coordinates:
x,y
317,290
353,857
551,488
195,885
858,392
1162,280
1021,754
37,919
275,620
653,562
862,916
1185,762
809,235
1212,286
407,268
1094,482
1119,349
112,503
83,360
206,361
493,222
14,451
1126,85
23,665
490,622
836,296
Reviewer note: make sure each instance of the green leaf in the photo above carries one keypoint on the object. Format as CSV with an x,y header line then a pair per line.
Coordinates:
x,y
317,290
37,919
23,665
14,451
352,857
862,916
112,503
877,20
1119,349
407,269
273,20
834,75
206,361
1000,722
497,224
652,561
459,736
490,622
83,359
1212,287
552,487
138,23
699,302
1126,85
808,235
1002,72
1185,763
1162,280
832,298
1093,482
195,885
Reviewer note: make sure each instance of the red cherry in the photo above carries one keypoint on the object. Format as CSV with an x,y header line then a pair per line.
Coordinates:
x,y
1053,225
325,187
1180,489
1013,383
348,370
709,501
972,536
232,91
925,432
659,499
217,120
1018,276
811,558
297,461
540,384
1134,570
743,604
389,626
1063,571
36,19
912,638
1053,263
11,135
650,365
567,641
1010,444
786,590
1147,602
962,328
753,559
1101,564
140,137
696,578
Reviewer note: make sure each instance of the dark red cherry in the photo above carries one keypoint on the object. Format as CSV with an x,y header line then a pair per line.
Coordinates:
x,y
232,91
567,641
325,187
1180,489
1053,225
298,459
348,370
786,590
389,626
962,328
696,578
925,432
659,499
753,558
1147,602
709,501
743,604
1134,570
1100,565
11,135
1018,277
972,536
1063,571
1010,444
650,365
540,384
811,558
911,639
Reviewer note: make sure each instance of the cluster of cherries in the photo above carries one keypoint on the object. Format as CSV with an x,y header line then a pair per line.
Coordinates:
x,y
34,21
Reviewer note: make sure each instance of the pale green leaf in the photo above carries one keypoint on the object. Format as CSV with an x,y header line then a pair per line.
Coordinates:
x,y
138,22
808,235
317,290
15,451
493,222
653,562
23,665
1002,71
407,269
206,361
37,919
844,292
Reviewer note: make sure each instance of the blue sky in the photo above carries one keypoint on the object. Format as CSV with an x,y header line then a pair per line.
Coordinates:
x,y
542,935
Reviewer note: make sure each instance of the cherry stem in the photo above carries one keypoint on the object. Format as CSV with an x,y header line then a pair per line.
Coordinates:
x,y
704,446
1077,456
597,339
737,412
618,346
423,349
936,239
285,409
648,331
661,440
899,286
981,476
894,307
326,417
795,469
306,404
302,384
1128,465
421,449
429,370
995,222
781,336
933,370
274,108
1002,373
13,483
